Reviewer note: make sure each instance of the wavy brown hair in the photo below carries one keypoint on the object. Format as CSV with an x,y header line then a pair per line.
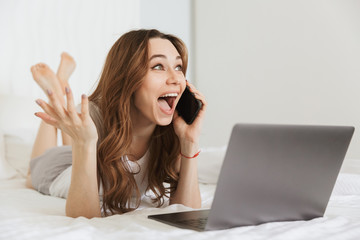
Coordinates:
x,y
125,67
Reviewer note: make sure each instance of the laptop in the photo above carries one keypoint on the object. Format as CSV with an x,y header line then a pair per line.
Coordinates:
x,y
271,173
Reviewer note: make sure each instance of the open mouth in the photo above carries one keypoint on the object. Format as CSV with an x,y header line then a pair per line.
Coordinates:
x,y
166,102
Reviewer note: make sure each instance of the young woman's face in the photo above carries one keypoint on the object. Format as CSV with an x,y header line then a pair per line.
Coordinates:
x,y
162,86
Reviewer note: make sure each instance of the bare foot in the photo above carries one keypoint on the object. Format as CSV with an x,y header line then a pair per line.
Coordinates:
x,y
66,68
47,79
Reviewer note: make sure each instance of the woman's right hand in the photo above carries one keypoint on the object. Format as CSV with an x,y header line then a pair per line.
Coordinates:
x,y
79,126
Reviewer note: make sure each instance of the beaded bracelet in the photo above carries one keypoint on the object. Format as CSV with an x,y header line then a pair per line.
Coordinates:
x,y
196,154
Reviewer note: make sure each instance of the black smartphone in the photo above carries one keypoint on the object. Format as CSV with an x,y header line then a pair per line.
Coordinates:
x,y
188,106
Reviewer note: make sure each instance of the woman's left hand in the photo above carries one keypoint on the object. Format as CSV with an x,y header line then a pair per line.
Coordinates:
x,y
189,134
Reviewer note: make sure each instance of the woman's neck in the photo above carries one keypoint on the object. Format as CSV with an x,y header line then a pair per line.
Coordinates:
x,y
141,135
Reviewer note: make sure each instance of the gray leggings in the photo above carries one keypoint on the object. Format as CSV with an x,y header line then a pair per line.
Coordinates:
x,y
46,167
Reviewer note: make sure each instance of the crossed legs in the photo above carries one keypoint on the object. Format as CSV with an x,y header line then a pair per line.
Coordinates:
x,y
46,137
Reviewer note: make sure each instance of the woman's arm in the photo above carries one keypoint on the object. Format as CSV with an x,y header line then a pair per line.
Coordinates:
x,y
83,197
187,191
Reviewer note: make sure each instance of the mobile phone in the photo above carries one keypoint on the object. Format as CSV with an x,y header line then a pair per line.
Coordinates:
x,y
188,106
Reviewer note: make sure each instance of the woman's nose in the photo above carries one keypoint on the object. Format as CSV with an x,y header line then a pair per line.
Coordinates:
x,y
173,77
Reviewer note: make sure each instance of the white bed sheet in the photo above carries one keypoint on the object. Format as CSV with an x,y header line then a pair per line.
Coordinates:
x,y
27,214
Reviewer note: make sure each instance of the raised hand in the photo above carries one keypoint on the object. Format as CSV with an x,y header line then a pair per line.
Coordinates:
x,y
189,134
79,126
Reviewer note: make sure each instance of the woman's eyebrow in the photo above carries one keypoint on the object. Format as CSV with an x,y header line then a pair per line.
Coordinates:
x,y
161,56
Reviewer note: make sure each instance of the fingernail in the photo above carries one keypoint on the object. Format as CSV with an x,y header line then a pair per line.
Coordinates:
x,y
48,92
35,114
83,96
38,102
67,90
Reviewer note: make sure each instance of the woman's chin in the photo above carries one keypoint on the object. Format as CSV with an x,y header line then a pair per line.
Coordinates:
x,y
164,121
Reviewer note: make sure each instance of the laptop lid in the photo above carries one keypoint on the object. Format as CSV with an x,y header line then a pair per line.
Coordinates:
x,y
277,173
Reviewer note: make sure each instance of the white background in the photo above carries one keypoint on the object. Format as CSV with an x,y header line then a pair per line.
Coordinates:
x,y
263,61
39,30
278,61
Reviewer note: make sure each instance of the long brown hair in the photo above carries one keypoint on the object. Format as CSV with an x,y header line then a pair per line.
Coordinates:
x,y
125,67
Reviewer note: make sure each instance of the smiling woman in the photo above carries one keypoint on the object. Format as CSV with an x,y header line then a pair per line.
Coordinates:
x,y
127,139
162,84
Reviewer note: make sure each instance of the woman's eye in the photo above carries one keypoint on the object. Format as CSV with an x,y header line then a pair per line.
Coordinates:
x,y
158,67
178,68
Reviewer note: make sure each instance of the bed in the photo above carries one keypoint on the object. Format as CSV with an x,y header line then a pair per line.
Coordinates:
x,y
27,214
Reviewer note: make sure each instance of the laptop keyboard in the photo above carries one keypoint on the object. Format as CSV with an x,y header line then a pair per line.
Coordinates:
x,y
196,223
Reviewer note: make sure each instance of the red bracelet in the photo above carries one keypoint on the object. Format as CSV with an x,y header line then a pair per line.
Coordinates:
x,y
196,154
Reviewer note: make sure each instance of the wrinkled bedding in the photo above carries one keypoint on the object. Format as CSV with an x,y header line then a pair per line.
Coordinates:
x,y
27,214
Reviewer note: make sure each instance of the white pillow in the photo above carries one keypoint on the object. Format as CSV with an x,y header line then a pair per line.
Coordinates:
x,y
18,147
6,171
209,164
16,114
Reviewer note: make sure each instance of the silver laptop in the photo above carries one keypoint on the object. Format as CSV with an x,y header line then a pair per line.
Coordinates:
x,y
271,173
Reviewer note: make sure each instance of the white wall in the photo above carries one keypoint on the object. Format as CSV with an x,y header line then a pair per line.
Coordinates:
x,y
172,17
278,61
35,31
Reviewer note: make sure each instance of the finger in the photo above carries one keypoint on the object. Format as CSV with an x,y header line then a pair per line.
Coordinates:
x,y
202,112
192,87
84,107
57,106
177,119
194,90
175,116
201,97
47,108
70,103
204,103
46,118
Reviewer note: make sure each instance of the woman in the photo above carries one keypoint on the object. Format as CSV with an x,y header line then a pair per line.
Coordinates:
x,y
127,138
